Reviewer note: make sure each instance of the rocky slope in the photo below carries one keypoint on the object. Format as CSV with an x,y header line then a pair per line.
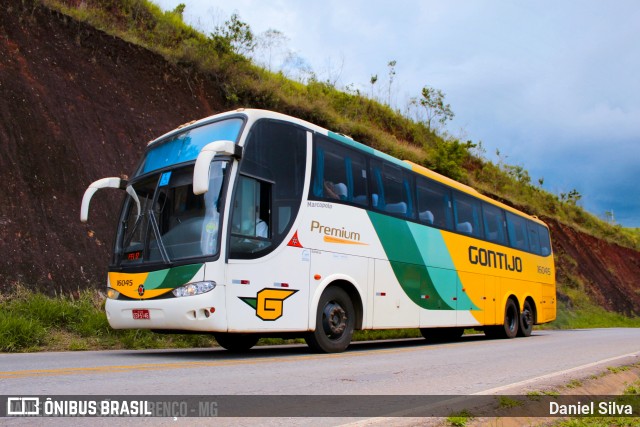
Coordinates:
x,y
77,105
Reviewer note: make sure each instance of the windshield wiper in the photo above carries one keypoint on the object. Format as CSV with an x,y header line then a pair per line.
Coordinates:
x,y
156,231
129,235
132,192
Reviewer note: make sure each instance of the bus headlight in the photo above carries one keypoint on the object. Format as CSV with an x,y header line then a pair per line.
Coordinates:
x,y
195,288
112,293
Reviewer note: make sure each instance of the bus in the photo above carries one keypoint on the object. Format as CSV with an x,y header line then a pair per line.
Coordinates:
x,y
252,224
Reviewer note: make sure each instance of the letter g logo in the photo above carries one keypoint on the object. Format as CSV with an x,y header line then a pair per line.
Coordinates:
x,y
269,303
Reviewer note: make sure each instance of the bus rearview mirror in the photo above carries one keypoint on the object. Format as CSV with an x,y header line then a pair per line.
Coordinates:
x,y
111,182
201,169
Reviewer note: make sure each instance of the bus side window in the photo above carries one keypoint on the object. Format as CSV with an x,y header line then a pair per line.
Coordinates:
x,y
534,239
466,211
393,189
433,203
545,241
517,229
339,174
358,189
494,224
251,221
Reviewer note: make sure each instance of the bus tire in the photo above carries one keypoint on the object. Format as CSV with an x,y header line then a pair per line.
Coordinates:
x,y
236,342
335,322
511,320
441,334
526,320
509,328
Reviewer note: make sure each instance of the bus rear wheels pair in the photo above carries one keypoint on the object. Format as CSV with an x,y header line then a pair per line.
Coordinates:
x,y
335,322
515,323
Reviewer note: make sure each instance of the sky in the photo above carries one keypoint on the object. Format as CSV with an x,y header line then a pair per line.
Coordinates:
x,y
554,86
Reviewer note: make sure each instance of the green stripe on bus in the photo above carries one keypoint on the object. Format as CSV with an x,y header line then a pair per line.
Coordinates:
x,y
171,278
179,276
412,273
426,273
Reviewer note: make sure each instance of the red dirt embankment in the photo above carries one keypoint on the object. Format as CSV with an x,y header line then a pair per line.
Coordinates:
x,y
77,105
610,273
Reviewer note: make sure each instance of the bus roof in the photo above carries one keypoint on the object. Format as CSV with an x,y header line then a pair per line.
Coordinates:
x,y
256,114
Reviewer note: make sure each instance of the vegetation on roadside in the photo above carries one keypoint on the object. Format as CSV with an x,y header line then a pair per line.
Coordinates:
x,y
227,57
31,321
629,396
460,419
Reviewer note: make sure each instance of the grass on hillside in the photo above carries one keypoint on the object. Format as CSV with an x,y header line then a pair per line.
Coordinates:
x,y
32,321
242,83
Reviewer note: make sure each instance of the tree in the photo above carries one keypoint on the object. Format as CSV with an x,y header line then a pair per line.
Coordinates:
x,y
449,157
374,80
435,109
572,197
179,10
273,42
234,36
610,217
392,75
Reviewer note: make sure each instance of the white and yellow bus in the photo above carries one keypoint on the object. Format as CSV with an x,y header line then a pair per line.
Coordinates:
x,y
253,223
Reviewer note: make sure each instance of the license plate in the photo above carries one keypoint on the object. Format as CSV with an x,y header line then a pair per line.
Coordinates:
x,y
141,314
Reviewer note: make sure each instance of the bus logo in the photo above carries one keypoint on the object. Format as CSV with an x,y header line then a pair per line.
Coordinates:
x,y
337,235
269,303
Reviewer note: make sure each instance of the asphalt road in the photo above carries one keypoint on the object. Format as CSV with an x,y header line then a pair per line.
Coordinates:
x,y
473,365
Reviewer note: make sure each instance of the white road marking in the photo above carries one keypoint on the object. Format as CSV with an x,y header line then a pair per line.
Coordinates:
x,y
553,374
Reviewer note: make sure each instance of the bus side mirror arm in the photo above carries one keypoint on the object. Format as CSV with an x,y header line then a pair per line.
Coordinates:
x,y
208,152
104,183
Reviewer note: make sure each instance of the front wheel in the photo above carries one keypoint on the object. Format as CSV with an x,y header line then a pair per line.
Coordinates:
x,y
236,342
335,322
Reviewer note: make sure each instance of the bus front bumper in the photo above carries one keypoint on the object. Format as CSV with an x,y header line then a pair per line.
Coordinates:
x,y
204,313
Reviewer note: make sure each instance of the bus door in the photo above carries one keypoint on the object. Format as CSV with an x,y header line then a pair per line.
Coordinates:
x,y
267,280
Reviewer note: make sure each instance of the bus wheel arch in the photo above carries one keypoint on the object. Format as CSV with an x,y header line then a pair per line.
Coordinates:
x,y
337,314
511,323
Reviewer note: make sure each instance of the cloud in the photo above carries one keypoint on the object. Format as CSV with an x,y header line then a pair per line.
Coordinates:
x,y
552,84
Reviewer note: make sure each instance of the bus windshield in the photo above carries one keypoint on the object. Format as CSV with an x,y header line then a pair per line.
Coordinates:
x,y
186,146
173,224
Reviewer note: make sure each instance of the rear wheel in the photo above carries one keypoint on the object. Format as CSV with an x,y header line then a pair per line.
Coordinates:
x,y
236,342
335,322
441,334
526,320
509,329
